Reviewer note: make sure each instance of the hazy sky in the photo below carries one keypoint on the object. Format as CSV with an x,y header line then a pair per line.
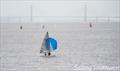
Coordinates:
x,y
21,8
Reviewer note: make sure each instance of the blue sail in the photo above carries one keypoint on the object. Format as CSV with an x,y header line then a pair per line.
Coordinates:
x,y
51,44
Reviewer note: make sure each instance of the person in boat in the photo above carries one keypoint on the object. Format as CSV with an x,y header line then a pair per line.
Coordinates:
x,y
20,27
90,25
46,53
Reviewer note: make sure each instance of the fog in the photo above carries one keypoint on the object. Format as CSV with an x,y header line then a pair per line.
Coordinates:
x,y
59,8
56,10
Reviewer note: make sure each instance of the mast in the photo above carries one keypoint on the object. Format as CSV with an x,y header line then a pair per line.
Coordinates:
x,y
85,13
31,14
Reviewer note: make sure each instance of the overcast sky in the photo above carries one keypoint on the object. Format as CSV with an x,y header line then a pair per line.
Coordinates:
x,y
59,8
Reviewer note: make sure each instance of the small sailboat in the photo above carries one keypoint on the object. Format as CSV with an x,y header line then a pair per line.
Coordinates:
x,y
48,45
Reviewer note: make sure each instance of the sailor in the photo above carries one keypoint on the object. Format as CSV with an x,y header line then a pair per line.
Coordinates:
x,y
49,54
43,26
90,24
20,27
